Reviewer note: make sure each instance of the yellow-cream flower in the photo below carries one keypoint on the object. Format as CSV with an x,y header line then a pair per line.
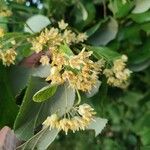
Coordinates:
x,y
74,122
51,122
118,75
69,37
81,37
9,57
79,70
86,74
62,25
65,125
55,76
44,60
86,110
47,39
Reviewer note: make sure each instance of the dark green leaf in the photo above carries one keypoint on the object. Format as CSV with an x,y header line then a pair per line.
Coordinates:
x,y
83,14
145,136
93,29
104,34
8,108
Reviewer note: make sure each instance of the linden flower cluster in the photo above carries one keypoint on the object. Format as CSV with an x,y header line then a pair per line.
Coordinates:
x,y
118,75
77,122
8,57
79,70
51,39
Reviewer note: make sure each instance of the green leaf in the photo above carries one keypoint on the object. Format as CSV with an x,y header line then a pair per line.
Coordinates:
x,y
94,90
41,140
93,29
42,71
29,112
83,14
120,9
20,75
103,52
45,93
141,6
131,98
141,17
98,125
145,147
83,10
111,144
130,33
65,49
36,23
32,114
145,136
141,59
142,122
3,22
104,34
8,108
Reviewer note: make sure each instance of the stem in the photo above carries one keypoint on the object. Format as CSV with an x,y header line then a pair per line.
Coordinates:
x,y
104,8
79,97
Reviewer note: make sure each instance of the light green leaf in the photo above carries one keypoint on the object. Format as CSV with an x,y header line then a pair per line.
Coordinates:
x,y
29,112
42,71
32,114
65,49
36,23
105,34
20,75
94,90
141,6
45,93
103,52
98,125
40,141
120,9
